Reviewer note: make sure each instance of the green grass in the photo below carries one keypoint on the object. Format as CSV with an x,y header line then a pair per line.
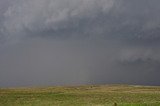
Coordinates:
x,y
105,95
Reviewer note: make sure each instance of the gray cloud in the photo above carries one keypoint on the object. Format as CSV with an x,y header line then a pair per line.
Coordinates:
x,y
127,19
50,15
57,42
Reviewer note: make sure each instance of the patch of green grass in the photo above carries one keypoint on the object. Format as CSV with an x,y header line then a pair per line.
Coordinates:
x,y
106,95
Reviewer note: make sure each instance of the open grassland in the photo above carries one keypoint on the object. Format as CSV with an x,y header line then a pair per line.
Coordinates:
x,y
105,95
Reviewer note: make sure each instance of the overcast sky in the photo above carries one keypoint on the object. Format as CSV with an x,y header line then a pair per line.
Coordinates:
x,y
73,42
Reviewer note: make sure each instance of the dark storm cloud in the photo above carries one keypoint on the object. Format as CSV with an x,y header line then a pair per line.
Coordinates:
x,y
105,18
48,42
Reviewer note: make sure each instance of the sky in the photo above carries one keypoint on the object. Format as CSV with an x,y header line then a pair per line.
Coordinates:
x,y
79,42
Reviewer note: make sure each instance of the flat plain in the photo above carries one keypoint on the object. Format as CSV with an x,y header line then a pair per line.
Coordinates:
x,y
100,95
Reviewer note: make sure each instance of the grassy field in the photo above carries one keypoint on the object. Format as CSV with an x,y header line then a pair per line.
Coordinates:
x,y
104,95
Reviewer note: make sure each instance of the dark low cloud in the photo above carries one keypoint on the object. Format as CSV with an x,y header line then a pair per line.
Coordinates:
x,y
57,42
103,18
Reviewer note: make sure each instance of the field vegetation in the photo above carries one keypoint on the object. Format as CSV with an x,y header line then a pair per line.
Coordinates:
x,y
102,95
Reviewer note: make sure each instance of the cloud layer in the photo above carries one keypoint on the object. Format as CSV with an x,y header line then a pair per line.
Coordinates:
x,y
54,42
50,16
127,19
